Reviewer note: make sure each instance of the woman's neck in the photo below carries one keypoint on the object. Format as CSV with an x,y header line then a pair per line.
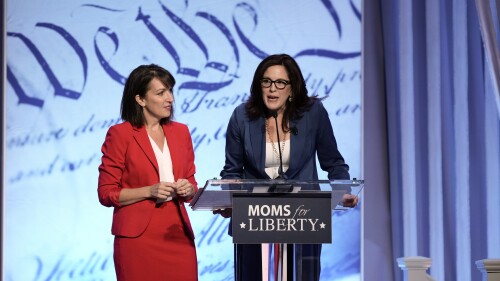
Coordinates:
x,y
271,128
153,127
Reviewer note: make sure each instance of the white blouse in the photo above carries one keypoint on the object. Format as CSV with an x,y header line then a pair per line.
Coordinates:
x,y
164,163
273,160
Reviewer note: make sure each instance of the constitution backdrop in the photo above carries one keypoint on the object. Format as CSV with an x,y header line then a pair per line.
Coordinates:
x,y
66,64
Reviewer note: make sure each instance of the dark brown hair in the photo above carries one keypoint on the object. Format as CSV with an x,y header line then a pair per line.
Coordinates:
x,y
138,84
300,103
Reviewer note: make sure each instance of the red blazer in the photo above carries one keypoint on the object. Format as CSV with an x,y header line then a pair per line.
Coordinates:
x,y
129,161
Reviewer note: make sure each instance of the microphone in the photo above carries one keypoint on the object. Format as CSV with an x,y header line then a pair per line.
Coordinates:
x,y
274,114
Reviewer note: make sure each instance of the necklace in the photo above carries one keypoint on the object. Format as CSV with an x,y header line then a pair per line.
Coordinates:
x,y
275,150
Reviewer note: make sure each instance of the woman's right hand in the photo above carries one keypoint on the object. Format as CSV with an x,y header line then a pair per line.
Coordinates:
x,y
161,190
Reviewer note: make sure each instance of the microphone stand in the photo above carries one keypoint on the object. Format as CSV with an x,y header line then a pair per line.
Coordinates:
x,y
281,187
280,169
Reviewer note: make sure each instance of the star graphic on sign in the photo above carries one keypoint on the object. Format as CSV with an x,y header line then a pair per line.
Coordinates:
x,y
242,225
322,225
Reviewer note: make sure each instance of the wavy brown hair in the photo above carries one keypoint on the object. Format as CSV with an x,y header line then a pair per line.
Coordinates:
x,y
300,103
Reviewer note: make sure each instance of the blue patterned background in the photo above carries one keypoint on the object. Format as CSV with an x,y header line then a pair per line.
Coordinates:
x,y
66,65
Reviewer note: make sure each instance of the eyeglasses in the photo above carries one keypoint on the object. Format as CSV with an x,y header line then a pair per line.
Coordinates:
x,y
279,84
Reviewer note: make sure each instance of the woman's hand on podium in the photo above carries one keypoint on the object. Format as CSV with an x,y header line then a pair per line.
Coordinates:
x,y
349,200
225,213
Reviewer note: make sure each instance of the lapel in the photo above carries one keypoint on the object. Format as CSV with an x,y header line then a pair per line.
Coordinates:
x,y
256,138
142,139
174,143
298,146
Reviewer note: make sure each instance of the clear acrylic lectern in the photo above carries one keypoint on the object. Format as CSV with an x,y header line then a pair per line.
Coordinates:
x,y
282,215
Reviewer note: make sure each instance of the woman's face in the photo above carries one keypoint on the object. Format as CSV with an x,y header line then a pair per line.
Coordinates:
x,y
275,98
157,103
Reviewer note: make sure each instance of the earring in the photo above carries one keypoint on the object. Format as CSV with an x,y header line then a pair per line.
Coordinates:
x,y
290,98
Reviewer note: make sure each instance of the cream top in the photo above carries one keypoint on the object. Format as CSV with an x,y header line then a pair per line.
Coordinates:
x,y
164,163
273,159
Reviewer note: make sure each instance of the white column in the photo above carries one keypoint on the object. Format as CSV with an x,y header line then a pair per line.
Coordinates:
x,y
415,268
490,269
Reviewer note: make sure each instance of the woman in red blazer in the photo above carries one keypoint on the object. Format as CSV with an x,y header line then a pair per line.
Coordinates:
x,y
147,174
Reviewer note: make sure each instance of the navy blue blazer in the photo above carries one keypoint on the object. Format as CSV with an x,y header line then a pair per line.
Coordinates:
x,y
245,147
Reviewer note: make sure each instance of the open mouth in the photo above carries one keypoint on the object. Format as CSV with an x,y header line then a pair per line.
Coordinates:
x,y
272,98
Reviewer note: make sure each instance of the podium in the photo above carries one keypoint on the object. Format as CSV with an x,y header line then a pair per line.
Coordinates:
x,y
286,217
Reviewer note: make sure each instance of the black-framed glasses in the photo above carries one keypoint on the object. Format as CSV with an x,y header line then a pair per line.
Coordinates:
x,y
280,84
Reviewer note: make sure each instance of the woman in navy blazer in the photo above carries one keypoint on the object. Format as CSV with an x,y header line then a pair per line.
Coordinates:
x,y
147,174
278,91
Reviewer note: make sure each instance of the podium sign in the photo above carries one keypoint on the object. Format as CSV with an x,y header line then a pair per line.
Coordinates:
x,y
282,218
